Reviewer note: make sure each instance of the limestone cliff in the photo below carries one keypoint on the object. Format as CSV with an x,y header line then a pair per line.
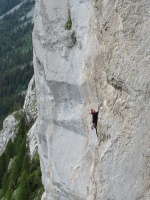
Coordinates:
x,y
30,110
100,59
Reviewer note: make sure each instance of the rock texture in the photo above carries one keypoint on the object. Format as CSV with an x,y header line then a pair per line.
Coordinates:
x,y
103,60
10,124
30,105
9,130
30,110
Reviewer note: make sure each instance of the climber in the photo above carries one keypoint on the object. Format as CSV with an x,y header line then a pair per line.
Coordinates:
x,y
94,118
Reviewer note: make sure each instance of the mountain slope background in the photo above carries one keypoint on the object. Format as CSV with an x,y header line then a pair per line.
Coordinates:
x,y
15,55
6,5
20,173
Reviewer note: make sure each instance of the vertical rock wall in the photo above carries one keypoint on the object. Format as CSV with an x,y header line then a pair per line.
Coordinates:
x,y
124,90
103,60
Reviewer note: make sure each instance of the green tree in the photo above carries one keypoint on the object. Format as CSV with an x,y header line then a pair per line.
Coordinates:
x,y
23,180
26,163
23,192
22,126
8,195
15,173
3,167
9,151
5,183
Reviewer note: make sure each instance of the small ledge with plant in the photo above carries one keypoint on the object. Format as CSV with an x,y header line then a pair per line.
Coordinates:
x,y
68,24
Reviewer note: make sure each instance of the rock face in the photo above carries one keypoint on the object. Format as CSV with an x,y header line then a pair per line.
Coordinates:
x,y
9,130
103,60
10,124
30,105
30,110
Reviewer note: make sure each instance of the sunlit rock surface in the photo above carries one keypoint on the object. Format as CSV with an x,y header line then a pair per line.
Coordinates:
x,y
10,126
103,60
30,110
30,105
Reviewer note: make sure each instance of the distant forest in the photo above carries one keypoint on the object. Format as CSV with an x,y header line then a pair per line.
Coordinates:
x,y
16,55
6,5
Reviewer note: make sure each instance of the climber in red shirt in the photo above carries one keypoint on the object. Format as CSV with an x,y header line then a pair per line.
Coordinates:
x,y
94,118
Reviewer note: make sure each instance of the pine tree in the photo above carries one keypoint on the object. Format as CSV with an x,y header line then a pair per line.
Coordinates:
x,y
2,167
15,173
23,187
26,163
9,151
22,126
9,194
5,183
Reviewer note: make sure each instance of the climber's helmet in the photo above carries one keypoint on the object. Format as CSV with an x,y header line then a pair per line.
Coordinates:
x,y
92,111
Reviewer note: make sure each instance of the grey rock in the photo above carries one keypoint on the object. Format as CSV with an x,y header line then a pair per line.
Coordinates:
x,y
10,127
107,64
30,105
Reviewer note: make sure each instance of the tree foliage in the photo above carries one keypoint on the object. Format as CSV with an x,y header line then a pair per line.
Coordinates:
x,y
23,192
16,55
6,5
3,167
23,180
20,176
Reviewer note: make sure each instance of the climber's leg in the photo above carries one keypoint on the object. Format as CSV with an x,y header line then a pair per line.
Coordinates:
x,y
95,126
